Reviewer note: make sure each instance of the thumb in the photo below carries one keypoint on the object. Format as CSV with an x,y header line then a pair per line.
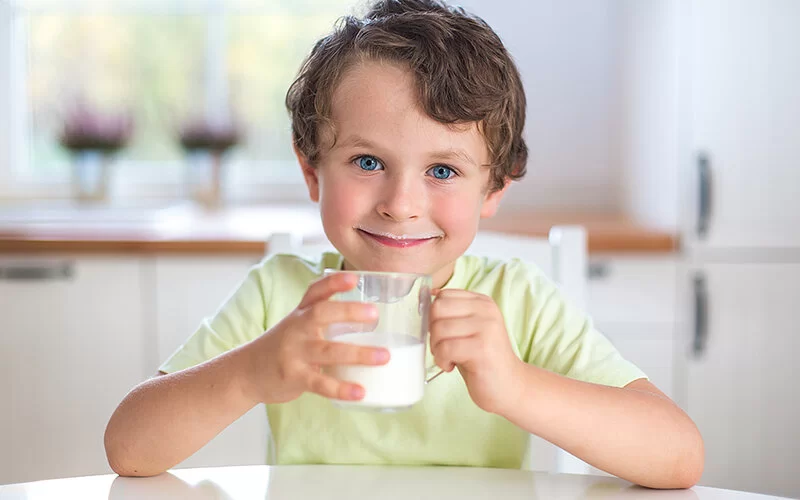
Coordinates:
x,y
327,287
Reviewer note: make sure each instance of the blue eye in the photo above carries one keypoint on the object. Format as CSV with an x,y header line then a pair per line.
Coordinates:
x,y
442,172
369,163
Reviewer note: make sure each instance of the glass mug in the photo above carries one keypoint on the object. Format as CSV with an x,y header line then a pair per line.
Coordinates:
x,y
404,302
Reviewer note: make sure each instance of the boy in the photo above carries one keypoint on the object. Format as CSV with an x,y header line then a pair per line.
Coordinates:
x,y
408,128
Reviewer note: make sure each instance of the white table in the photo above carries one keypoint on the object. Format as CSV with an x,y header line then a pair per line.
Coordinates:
x,y
351,483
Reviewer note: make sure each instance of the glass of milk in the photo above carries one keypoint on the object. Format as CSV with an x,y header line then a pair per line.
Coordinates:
x,y
403,302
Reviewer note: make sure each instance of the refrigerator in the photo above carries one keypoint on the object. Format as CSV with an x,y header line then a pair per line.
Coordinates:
x,y
740,337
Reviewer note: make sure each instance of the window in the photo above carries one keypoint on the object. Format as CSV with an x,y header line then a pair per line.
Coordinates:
x,y
159,62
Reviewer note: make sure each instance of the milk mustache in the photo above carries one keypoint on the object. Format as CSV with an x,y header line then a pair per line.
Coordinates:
x,y
396,385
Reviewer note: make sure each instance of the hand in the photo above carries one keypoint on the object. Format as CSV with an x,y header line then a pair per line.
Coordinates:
x,y
286,361
468,332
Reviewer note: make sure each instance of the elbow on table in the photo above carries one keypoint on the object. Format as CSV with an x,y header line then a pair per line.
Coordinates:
x,y
689,466
126,469
121,464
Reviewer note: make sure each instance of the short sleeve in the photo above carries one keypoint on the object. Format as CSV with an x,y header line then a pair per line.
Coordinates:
x,y
241,318
562,339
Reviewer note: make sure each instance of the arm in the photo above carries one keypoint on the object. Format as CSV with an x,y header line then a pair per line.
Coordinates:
x,y
636,432
165,419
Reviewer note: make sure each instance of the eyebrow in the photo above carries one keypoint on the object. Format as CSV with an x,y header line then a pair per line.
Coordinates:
x,y
449,154
354,141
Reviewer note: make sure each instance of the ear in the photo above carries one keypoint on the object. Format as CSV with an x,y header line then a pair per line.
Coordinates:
x,y
491,202
310,174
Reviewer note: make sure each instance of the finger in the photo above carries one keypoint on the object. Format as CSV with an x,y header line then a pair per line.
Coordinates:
x,y
451,307
328,286
458,351
451,328
326,312
325,352
329,387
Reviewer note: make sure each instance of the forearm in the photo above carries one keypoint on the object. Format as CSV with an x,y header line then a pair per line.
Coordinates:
x,y
165,419
636,435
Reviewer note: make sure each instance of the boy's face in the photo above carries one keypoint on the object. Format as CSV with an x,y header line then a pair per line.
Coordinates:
x,y
398,191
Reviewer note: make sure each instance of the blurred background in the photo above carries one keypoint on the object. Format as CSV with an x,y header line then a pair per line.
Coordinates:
x,y
158,67
145,159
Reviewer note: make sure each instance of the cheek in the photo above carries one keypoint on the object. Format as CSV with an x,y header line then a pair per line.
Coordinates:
x,y
339,200
456,214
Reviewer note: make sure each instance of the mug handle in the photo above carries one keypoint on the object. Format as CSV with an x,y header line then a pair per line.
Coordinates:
x,y
428,381
429,368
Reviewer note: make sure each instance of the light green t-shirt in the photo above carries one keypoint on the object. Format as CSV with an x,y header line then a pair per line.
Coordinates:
x,y
446,427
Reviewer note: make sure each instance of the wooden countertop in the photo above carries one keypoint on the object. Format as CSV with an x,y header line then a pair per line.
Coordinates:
x,y
244,230
610,233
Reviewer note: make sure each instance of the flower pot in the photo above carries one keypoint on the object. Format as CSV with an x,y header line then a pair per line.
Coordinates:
x,y
204,176
90,172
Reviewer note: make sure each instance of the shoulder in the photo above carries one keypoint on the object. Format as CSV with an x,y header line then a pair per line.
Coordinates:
x,y
521,290
502,278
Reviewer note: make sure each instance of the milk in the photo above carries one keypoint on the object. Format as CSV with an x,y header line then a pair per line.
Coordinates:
x,y
396,385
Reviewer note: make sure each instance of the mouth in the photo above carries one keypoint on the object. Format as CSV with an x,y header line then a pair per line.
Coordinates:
x,y
398,241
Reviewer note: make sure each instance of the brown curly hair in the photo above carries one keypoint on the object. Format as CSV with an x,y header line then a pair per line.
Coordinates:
x,y
462,70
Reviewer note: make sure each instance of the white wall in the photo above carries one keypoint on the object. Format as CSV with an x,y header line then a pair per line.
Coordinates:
x,y
647,150
5,93
564,50
6,374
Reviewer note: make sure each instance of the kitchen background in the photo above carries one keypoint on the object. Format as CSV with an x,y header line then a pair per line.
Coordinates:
x,y
670,129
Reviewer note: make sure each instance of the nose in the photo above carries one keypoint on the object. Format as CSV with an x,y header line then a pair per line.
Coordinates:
x,y
403,198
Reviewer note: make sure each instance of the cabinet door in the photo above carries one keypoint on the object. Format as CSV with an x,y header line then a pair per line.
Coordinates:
x,y
76,347
650,346
632,289
744,69
6,380
188,289
632,300
742,384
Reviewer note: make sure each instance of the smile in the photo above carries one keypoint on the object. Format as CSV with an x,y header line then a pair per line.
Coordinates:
x,y
398,241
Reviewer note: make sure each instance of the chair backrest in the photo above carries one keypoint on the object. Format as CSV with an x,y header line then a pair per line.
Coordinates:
x,y
562,256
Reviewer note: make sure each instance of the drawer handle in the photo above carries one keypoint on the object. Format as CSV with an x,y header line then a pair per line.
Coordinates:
x,y
705,198
700,339
37,272
599,270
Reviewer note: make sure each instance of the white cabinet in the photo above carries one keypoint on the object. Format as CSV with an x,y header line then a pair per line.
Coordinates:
x,y
742,65
733,69
187,289
6,385
742,388
72,348
632,300
742,72
651,347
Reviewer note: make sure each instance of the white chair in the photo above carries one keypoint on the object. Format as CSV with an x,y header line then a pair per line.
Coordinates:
x,y
298,245
562,256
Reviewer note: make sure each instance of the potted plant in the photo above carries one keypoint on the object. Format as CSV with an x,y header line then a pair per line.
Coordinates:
x,y
93,137
205,143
